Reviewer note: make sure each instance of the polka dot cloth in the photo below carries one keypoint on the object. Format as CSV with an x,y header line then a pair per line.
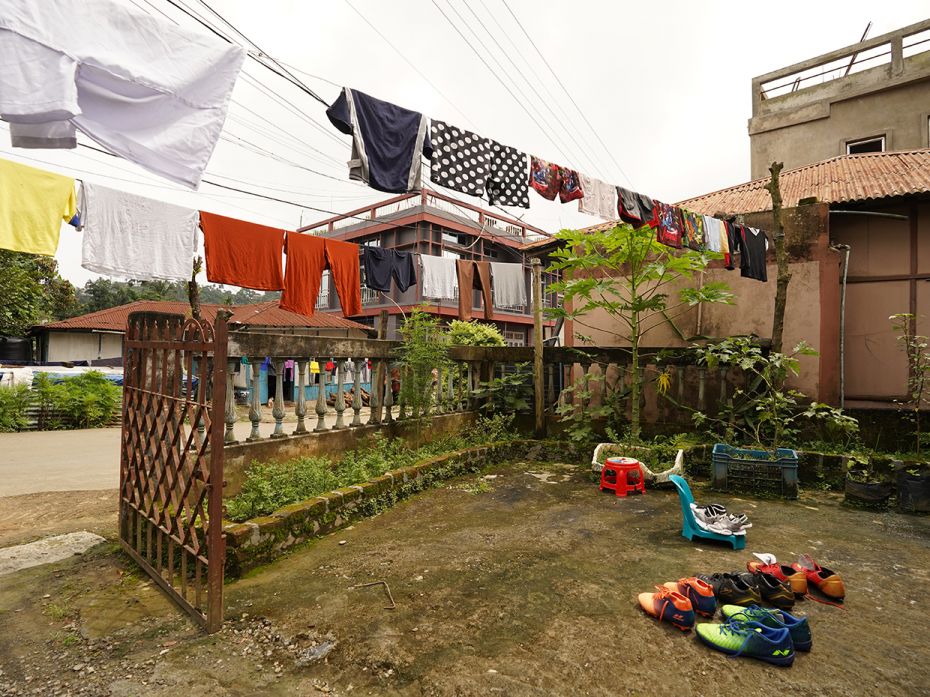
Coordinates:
x,y
507,185
460,158
466,162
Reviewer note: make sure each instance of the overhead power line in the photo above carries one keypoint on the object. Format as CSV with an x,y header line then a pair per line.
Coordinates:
x,y
491,70
567,93
409,62
595,163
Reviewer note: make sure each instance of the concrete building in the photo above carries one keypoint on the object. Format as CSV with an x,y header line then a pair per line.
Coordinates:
x,y
429,223
873,96
874,206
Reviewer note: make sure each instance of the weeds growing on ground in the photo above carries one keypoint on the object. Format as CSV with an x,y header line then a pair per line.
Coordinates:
x,y
272,485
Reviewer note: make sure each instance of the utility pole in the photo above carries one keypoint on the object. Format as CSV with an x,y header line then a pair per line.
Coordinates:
x,y
538,382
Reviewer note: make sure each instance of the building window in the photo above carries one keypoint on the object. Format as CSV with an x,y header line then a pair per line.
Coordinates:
x,y
450,238
371,242
514,338
322,299
855,147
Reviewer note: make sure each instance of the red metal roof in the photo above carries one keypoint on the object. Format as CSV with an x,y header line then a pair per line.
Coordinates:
x,y
837,180
266,314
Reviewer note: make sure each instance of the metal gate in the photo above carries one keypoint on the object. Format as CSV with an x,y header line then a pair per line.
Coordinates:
x,y
171,479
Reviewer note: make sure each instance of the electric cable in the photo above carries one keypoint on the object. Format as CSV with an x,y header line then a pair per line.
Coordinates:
x,y
596,164
498,77
568,94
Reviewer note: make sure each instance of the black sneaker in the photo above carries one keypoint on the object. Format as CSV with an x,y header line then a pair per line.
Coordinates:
x,y
731,589
773,590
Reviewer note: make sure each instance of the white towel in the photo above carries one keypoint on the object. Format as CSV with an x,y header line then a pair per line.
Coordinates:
x,y
600,198
713,230
151,91
509,284
135,237
438,278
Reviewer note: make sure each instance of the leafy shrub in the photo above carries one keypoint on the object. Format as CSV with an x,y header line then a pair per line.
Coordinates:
x,y
14,402
422,351
512,392
474,334
88,400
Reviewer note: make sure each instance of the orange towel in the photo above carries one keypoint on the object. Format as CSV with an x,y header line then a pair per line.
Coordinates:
x,y
306,260
242,254
343,261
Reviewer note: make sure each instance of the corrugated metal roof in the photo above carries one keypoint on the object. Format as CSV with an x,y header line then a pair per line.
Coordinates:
x,y
266,314
838,180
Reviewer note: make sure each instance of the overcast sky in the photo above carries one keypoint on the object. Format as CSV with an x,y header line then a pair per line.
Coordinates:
x,y
666,86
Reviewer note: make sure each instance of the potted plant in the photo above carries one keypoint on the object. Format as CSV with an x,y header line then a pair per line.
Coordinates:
x,y
762,413
870,480
913,480
913,487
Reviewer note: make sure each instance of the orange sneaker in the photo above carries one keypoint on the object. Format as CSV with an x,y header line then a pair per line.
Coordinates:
x,y
796,579
825,580
700,593
669,606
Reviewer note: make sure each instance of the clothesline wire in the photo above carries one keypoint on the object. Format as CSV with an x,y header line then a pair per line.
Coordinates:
x,y
296,110
479,235
547,128
288,75
568,94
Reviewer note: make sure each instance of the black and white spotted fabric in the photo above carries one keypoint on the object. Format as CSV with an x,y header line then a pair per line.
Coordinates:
x,y
460,158
508,183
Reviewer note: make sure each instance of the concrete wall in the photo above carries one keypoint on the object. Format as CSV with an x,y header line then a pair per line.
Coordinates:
x,y
812,311
83,346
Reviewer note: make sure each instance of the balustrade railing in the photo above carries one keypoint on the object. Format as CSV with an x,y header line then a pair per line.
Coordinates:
x,y
363,385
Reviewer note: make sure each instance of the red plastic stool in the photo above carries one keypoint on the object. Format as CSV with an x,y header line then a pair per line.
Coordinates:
x,y
620,469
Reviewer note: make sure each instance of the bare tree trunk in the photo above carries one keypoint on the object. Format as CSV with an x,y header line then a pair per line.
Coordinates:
x,y
781,259
193,290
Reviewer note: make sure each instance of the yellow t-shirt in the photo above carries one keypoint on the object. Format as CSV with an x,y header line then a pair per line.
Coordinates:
x,y
314,367
33,203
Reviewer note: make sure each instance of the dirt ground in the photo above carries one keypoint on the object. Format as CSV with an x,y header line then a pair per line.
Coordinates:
x,y
522,584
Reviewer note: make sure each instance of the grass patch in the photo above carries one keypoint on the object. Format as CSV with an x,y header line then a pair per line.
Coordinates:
x,y
55,611
269,486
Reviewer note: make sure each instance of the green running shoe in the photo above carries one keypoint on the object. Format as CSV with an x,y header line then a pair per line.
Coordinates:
x,y
798,627
737,638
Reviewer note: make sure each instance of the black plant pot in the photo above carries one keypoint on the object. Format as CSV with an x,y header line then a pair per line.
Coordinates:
x,y
914,492
868,494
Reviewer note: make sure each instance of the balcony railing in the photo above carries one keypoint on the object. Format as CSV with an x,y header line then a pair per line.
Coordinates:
x,y
428,198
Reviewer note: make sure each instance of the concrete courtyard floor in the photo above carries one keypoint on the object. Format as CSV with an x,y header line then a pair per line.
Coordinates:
x,y
520,584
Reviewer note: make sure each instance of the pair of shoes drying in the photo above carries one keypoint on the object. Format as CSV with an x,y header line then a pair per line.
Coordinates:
x,y
801,575
677,602
772,636
737,588
715,518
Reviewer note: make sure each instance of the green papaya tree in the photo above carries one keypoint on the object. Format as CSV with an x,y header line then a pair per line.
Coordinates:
x,y
626,273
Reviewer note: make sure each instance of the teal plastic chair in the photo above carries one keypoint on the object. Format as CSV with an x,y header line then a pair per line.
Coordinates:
x,y
689,527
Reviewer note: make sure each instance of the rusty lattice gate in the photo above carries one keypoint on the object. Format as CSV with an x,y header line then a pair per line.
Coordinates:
x,y
171,479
